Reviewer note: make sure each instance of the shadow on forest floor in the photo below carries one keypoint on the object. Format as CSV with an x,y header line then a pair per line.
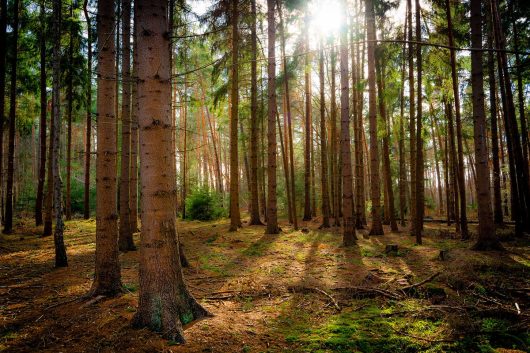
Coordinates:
x,y
292,292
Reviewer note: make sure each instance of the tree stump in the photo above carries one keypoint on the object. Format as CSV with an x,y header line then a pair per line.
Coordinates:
x,y
391,249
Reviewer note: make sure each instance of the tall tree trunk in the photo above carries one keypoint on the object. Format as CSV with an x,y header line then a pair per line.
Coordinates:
x,y
348,232
376,227
335,142
125,238
456,94
69,98
436,164
165,303
486,230
401,143
272,212
133,183
235,217
88,143
387,171
60,250
520,91
107,272
285,169
42,121
8,225
412,123
420,188
519,171
323,147
254,203
497,198
3,51
289,134
307,121
454,164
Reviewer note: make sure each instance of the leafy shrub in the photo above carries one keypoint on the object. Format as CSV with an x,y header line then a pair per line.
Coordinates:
x,y
204,205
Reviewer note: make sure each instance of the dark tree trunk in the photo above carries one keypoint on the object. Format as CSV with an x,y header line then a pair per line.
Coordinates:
x,y
88,146
456,94
8,225
69,98
42,121
133,183
420,188
497,198
387,172
412,123
235,217
348,235
289,133
107,279
307,121
60,250
125,237
375,187
254,203
323,147
401,143
487,239
272,212
3,51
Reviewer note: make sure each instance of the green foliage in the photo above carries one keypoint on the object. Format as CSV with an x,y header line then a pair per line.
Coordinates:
x,y
204,205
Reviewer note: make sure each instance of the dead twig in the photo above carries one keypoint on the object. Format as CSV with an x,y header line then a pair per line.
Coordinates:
x,y
428,279
329,296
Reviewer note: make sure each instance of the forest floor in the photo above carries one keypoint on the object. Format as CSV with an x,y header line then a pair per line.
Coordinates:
x,y
298,291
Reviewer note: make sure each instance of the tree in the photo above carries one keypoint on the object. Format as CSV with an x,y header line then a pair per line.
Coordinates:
x,y
8,225
3,51
456,94
235,217
307,121
348,231
42,121
69,99
254,204
125,237
165,303
420,200
323,147
107,273
60,251
272,212
412,121
88,143
486,230
375,187
289,133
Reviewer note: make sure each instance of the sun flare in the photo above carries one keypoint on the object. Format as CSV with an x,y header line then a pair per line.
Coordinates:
x,y
326,17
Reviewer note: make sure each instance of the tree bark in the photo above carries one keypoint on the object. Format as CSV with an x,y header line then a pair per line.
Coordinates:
x,y
8,222
60,251
348,230
69,98
376,227
412,123
235,217
254,203
165,303
307,121
42,121
487,239
289,134
107,272
387,171
125,237
272,212
420,188
401,143
88,143
133,183
323,147
456,94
